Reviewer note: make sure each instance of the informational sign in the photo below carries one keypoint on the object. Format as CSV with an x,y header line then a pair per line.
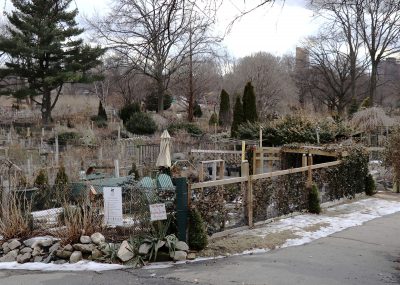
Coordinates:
x,y
158,212
112,206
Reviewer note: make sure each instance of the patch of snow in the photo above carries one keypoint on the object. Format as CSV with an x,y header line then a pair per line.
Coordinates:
x,y
79,266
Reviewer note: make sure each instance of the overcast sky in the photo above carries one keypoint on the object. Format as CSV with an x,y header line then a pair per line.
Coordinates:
x,y
276,29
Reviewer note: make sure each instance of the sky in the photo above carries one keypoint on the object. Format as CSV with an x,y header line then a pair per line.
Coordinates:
x,y
277,29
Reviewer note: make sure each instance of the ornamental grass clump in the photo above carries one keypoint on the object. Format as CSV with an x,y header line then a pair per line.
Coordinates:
x,y
314,206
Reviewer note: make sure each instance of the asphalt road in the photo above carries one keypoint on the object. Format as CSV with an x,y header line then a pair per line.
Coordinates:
x,y
367,255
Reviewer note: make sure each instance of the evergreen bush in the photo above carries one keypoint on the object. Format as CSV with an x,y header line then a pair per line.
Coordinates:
x,y
237,117
128,110
313,200
249,104
152,102
141,124
213,119
370,185
197,112
224,109
41,198
134,171
101,113
197,231
190,128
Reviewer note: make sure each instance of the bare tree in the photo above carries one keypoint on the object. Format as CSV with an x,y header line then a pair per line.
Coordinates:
x,y
330,73
154,37
270,75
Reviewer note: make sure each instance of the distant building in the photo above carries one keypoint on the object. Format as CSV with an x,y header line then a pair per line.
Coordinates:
x,y
389,69
302,59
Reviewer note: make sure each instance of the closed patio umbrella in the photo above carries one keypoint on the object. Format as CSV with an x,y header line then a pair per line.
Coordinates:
x,y
164,158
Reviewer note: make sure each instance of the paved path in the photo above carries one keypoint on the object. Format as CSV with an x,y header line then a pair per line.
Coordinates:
x,y
367,255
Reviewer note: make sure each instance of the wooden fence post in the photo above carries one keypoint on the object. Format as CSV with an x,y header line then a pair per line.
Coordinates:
x,y
310,163
248,193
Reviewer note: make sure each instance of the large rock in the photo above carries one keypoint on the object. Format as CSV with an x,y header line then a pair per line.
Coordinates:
x,y
191,256
49,258
54,247
26,250
64,254
44,241
75,257
144,249
69,247
10,257
13,244
37,251
22,258
124,252
96,254
85,239
5,248
85,248
38,259
105,247
97,238
182,246
179,255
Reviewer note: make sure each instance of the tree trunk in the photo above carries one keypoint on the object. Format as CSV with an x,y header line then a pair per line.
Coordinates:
x,y
373,82
46,107
160,94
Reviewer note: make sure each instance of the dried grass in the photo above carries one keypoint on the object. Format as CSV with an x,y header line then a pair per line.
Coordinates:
x,y
15,218
371,119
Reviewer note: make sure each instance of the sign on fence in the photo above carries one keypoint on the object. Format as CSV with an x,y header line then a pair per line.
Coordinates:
x,y
158,212
112,206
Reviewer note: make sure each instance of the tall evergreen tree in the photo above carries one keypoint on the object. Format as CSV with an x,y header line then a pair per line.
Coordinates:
x,y
45,51
224,109
237,116
249,104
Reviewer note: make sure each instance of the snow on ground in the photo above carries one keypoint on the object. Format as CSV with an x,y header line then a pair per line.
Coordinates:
x,y
307,227
333,220
79,266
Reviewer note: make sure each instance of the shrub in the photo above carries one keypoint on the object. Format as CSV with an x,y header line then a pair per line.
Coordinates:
x,y
197,112
224,109
65,138
237,116
141,124
190,128
213,119
249,104
392,157
197,231
313,200
61,186
369,185
16,220
152,102
128,110
42,197
134,171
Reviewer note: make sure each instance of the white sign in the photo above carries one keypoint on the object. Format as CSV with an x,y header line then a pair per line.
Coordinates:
x,y
158,212
112,206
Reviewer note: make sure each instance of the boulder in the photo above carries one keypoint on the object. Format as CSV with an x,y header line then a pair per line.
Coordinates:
x,y
69,247
181,246
37,251
22,258
75,257
144,249
85,248
26,250
97,238
49,258
124,252
38,259
13,244
10,257
44,241
85,239
54,247
191,256
179,255
96,254
64,254
5,248
105,247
